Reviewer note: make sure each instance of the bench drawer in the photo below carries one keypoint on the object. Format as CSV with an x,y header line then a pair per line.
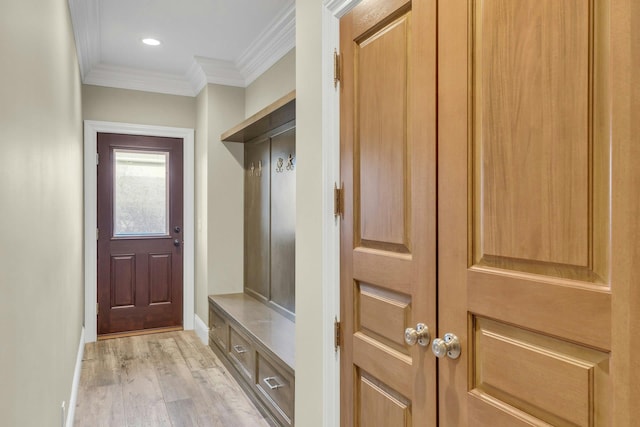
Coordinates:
x,y
218,330
241,353
276,385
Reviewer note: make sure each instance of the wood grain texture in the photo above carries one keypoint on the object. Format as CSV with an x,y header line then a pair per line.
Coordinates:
x,y
168,379
625,276
272,116
388,165
556,381
274,331
384,315
283,395
379,408
453,205
533,129
123,280
283,222
384,198
160,278
257,216
560,309
125,263
523,228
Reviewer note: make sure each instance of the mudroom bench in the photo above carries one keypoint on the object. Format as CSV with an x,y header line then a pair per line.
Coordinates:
x,y
257,344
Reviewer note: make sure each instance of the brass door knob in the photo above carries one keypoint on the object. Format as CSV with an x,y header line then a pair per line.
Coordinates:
x,y
418,335
449,346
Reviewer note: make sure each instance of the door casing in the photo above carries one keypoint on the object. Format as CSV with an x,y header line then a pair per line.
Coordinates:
x,y
91,130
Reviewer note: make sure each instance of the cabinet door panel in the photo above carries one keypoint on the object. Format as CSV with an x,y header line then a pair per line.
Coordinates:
x,y
283,219
256,218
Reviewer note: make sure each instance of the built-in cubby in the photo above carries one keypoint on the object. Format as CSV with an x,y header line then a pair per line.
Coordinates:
x,y
270,218
253,332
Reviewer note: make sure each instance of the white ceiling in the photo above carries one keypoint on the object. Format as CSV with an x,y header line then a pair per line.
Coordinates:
x,y
203,41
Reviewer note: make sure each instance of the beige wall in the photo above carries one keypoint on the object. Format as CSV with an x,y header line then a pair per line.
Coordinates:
x,y
134,106
309,366
41,243
225,194
219,195
273,84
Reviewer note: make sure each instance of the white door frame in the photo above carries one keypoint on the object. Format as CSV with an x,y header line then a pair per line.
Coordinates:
x,y
91,130
332,11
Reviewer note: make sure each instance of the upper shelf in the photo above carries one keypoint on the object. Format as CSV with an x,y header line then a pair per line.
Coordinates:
x,y
280,112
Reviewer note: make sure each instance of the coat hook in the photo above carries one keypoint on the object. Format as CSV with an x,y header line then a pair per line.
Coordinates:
x,y
290,161
280,163
259,168
251,169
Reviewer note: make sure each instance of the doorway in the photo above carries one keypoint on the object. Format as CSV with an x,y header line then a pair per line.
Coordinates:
x,y
140,257
91,130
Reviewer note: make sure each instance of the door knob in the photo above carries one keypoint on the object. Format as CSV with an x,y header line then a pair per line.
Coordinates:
x,y
418,335
176,242
449,346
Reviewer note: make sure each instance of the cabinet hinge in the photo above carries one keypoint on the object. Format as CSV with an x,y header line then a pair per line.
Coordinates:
x,y
337,335
337,68
338,201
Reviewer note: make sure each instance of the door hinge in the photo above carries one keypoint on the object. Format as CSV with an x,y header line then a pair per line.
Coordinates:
x,y
337,335
338,201
97,309
337,68
97,233
97,158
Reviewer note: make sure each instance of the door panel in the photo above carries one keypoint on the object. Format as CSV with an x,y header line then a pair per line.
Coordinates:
x,y
380,407
140,211
523,202
257,161
388,230
283,220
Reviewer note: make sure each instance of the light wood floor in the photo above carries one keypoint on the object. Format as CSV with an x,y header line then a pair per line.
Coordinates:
x,y
168,379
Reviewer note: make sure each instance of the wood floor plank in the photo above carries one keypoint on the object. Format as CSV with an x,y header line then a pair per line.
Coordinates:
x,y
229,399
167,379
143,401
106,409
189,349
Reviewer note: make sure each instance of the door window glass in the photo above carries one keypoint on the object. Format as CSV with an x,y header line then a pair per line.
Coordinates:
x,y
140,193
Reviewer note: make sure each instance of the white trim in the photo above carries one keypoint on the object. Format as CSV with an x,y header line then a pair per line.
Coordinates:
x,y
268,47
86,29
91,130
202,331
273,43
331,13
217,71
136,79
71,411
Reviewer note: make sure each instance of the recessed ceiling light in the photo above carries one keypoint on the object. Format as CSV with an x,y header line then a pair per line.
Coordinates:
x,y
151,42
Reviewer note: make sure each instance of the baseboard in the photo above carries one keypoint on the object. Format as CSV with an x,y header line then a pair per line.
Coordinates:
x,y
202,331
76,382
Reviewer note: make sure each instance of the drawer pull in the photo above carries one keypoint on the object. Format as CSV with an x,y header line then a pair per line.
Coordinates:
x,y
239,349
269,380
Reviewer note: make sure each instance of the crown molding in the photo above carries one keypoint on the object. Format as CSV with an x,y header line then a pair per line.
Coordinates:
x,y
135,79
267,49
220,72
270,45
339,8
86,29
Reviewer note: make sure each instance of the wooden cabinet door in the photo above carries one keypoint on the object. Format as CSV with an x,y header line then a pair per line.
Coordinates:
x,y
524,201
388,240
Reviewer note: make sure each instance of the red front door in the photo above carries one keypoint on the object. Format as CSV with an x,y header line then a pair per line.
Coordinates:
x,y
140,210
